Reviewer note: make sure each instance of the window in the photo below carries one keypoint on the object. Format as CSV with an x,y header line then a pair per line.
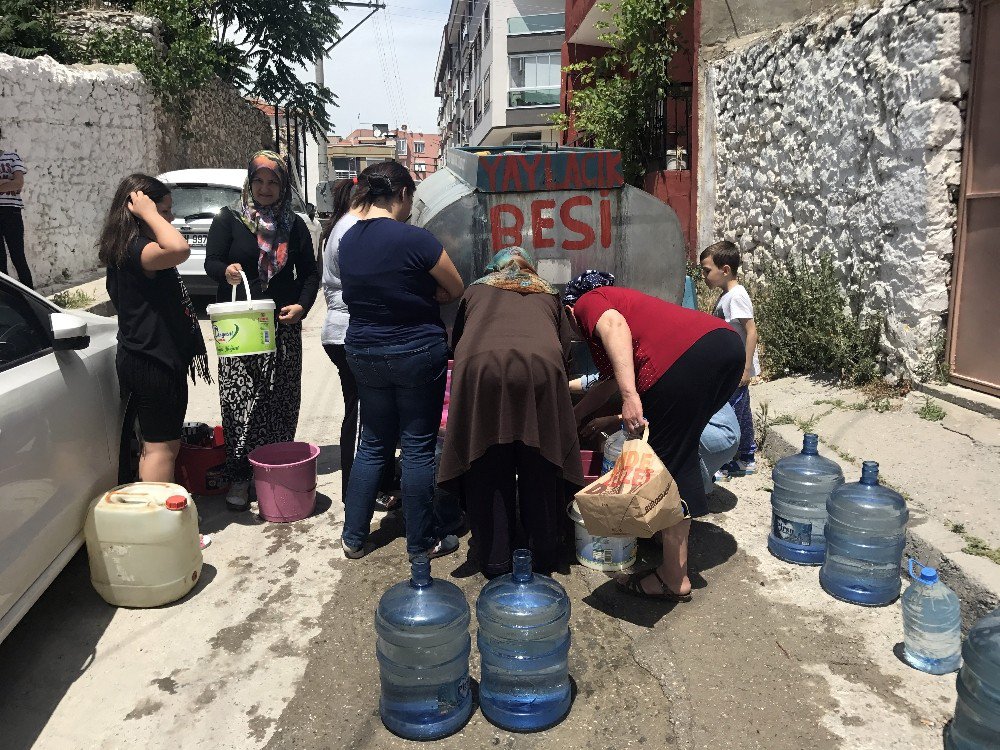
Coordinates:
x,y
201,201
22,337
534,80
486,23
345,167
477,107
545,23
401,147
420,167
418,147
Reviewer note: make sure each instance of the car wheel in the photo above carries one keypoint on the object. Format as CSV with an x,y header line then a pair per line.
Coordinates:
x,y
130,447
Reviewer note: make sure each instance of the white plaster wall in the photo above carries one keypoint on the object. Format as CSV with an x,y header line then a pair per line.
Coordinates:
x,y
81,129
842,136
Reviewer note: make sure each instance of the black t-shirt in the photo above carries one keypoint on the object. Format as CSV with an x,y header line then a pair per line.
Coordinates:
x,y
152,319
229,241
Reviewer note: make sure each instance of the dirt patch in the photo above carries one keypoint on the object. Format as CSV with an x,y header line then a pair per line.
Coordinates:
x,y
145,707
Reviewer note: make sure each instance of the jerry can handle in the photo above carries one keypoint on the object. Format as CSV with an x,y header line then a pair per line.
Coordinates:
x,y
909,568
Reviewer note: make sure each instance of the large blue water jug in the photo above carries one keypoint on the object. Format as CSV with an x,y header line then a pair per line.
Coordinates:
x,y
802,487
977,714
423,656
524,648
865,536
932,623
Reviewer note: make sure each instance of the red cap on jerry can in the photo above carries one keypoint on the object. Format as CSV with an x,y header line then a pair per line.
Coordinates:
x,y
176,502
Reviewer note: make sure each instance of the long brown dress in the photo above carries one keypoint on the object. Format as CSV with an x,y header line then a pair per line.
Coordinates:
x,y
511,444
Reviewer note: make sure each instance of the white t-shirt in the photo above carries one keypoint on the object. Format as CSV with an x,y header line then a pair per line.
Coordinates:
x,y
11,164
337,317
734,307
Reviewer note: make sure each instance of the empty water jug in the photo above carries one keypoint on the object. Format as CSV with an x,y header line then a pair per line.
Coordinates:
x,y
612,450
423,656
523,643
977,714
865,536
802,487
932,623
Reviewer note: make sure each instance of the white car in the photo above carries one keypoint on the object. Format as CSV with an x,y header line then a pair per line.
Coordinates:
x,y
198,195
62,438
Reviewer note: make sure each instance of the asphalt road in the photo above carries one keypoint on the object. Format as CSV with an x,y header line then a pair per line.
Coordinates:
x,y
275,647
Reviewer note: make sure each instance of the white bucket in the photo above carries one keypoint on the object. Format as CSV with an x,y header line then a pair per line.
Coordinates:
x,y
607,553
243,328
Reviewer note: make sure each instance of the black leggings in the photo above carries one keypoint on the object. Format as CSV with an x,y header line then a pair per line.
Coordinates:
x,y
679,405
12,236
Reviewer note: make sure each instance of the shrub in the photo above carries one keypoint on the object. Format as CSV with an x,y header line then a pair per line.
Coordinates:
x,y
806,327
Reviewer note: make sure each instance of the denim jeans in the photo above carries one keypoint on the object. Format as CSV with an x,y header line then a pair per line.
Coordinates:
x,y
402,394
718,444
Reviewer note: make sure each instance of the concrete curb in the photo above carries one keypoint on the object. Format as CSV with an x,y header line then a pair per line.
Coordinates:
x,y
976,580
967,399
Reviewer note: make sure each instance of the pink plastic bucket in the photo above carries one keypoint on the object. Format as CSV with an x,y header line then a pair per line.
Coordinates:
x,y
285,478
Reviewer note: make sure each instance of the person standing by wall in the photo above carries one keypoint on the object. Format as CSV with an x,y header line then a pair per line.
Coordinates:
x,y
12,171
261,236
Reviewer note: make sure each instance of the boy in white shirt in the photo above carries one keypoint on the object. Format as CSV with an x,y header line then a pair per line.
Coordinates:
x,y
719,263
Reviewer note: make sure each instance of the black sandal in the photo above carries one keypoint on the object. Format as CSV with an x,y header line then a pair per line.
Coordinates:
x,y
633,585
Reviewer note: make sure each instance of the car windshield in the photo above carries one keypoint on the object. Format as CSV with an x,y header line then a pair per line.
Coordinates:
x,y
204,201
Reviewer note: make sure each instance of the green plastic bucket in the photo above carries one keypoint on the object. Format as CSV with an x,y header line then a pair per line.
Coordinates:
x,y
242,328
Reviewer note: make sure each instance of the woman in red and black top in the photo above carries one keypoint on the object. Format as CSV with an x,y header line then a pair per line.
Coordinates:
x,y
674,368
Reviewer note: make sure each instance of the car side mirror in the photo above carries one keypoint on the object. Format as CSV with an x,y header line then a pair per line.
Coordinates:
x,y
68,332
311,211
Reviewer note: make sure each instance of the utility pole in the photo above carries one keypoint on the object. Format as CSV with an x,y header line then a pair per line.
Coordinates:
x,y
323,166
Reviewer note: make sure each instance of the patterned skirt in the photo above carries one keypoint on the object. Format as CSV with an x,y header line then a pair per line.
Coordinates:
x,y
260,396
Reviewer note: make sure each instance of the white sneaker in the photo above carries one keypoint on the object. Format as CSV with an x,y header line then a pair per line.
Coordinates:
x,y
238,497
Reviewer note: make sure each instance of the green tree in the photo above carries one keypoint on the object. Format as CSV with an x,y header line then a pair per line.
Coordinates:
x,y
28,29
613,95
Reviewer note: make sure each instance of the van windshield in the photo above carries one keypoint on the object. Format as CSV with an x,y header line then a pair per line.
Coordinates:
x,y
204,201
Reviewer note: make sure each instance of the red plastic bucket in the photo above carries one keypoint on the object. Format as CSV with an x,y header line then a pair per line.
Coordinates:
x,y
285,477
201,469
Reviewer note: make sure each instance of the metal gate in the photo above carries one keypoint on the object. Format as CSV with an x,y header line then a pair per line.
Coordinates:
x,y
974,335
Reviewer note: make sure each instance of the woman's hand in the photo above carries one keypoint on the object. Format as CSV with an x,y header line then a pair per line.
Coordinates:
x,y
747,377
632,412
606,425
233,271
442,296
290,313
141,205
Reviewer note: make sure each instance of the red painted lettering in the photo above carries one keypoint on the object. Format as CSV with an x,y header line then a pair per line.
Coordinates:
x,y
613,167
605,219
511,174
572,224
491,165
590,177
550,181
531,171
540,223
506,236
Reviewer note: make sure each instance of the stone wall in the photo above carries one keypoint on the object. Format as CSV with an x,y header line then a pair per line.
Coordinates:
x,y
80,129
843,136
84,23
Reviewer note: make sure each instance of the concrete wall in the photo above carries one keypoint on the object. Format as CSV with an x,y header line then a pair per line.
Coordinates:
x,y
80,129
843,136
726,21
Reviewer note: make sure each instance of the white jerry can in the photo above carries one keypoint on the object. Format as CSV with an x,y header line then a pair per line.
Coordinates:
x,y
142,542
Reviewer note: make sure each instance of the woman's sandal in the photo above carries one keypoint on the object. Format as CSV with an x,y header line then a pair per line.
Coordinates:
x,y
633,585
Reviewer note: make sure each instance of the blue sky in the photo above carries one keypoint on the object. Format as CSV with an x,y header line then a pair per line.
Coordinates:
x,y
384,71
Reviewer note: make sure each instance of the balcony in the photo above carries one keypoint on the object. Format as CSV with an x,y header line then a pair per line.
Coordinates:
x,y
544,23
534,97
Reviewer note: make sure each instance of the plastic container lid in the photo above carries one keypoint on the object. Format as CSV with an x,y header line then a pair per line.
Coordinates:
x,y
927,575
254,305
176,502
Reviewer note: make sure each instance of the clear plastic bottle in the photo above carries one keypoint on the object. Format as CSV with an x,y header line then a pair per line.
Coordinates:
x,y
612,450
423,654
523,643
865,536
977,714
932,623
802,486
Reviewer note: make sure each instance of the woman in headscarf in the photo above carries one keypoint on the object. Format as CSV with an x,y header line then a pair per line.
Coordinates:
x,y
512,445
261,236
674,369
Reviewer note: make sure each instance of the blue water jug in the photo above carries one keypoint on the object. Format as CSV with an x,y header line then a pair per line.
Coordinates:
x,y
423,656
523,643
932,623
977,714
865,536
802,487
612,450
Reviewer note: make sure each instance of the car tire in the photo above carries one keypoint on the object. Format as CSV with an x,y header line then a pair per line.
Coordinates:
x,y
130,446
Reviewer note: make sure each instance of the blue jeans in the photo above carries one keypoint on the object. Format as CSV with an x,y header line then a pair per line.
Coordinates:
x,y
402,393
718,444
740,401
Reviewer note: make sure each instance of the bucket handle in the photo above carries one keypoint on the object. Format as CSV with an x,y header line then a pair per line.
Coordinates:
x,y
245,284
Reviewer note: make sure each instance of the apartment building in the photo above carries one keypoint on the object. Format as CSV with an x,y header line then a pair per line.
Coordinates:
x,y
351,154
498,72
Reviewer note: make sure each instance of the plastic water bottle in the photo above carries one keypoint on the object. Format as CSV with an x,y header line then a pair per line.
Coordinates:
x,y
977,713
802,487
523,643
932,624
865,536
423,655
612,450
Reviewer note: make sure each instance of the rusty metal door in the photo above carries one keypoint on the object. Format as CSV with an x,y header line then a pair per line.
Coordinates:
x,y
974,340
